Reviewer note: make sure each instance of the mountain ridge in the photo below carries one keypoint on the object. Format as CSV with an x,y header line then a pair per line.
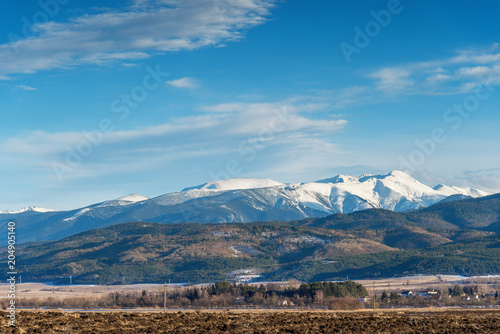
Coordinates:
x,y
242,200
364,244
27,209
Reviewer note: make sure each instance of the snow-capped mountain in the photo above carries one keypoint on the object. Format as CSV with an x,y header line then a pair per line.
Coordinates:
x,y
244,200
234,184
125,200
26,209
342,194
449,191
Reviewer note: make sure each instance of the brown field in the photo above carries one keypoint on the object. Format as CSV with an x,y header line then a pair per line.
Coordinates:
x,y
41,290
393,321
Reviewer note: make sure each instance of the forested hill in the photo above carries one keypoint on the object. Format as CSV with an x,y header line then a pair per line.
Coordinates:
x,y
475,213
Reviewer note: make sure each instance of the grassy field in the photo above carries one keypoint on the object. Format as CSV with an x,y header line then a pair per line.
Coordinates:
x,y
415,283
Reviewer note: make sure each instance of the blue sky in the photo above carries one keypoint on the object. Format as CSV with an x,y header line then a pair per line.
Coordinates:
x,y
105,98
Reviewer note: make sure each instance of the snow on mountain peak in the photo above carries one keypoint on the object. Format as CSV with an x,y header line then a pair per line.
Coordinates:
x,y
398,173
449,191
403,178
27,209
125,200
251,199
368,177
235,184
133,198
339,179
394,191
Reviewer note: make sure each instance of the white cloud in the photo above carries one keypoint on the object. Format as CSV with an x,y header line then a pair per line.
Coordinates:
x,y
23,87
439,78
278,127
458,74
473,71
309,159
183,83
40,143
484,179
145,28
392,80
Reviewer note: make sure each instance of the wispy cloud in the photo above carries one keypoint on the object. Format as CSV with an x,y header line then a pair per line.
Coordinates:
x,y
458,74
487,180
183,83
136,32
283,128
23,87
392,80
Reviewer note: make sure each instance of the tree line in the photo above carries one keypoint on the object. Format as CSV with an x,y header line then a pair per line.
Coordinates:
x,y
223,295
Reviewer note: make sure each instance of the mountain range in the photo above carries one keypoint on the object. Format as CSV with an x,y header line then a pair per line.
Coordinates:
x,y
241,200
454,237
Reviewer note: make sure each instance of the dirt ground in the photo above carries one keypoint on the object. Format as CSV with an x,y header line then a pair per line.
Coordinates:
x,y
407,321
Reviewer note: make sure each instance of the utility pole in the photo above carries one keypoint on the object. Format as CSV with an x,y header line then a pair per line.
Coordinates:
x,y
373,288
165,296
70,280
